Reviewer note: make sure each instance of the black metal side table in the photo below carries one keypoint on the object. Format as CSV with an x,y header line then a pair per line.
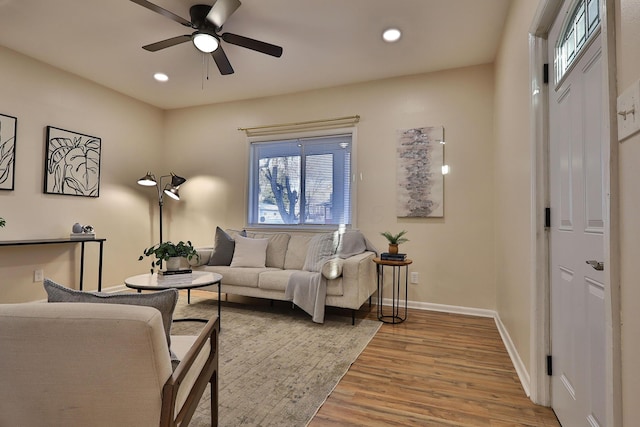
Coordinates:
x,y
396,267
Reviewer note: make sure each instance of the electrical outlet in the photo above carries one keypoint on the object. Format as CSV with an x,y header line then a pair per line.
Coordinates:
x,y
414,277
38,275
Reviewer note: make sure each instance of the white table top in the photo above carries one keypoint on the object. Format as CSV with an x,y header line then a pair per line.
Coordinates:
x,y
196,279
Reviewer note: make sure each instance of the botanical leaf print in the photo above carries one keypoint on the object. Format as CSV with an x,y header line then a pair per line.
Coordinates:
x,y
7,150
74,165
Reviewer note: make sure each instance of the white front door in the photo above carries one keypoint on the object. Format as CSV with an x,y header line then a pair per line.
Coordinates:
x,y
577,138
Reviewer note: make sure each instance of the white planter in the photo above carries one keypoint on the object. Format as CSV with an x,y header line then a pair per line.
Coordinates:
x,y
173,263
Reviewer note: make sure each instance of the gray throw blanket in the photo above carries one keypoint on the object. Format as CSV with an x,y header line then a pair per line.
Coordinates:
x,y
308,290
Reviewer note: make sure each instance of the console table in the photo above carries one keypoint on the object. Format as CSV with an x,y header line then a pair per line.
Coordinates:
x,y
64,241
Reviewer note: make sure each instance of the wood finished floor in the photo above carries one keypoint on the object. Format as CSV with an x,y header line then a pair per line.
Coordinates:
x,y
435,369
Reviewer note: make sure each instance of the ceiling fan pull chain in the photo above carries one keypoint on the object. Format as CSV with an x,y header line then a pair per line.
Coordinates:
x,y
203,71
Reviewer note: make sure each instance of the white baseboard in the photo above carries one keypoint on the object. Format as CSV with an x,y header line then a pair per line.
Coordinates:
x,y
521,369
519,366
116,288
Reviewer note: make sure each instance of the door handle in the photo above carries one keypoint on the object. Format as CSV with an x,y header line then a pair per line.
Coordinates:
x,y
597,265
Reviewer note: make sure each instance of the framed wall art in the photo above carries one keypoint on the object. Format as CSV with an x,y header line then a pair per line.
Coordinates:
x,y
420,182
8,129
72,163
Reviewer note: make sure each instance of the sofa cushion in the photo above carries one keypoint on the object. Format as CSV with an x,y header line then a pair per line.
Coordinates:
x,y
276,249
222,249
275,280
164,301
321,247
239,276
335,287
250,252
297,251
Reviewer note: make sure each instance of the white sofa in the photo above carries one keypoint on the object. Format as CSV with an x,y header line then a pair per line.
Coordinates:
x,y
350,278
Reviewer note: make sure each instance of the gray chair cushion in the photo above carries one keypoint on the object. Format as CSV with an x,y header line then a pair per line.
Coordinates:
x,y
164,301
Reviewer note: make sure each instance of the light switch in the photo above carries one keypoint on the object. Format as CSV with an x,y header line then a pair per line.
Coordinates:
x,y
629,111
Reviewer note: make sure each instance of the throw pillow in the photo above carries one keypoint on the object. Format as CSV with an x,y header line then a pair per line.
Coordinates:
x,y
321,247
332,268
164,301
250,252
223,248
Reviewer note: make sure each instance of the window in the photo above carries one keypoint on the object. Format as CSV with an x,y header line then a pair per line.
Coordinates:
x,y
301,181
584,22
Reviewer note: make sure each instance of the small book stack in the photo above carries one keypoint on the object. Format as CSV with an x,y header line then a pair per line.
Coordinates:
x,y
82,236
386,256
175,276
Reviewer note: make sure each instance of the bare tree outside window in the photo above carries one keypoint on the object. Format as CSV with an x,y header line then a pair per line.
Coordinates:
x,y
300,182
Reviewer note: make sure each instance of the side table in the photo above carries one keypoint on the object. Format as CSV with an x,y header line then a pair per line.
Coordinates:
x,y
396,267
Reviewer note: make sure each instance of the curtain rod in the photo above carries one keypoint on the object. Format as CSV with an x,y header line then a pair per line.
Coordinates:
x,y
297,126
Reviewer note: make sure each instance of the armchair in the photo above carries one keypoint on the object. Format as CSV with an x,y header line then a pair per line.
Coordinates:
x,y
84,364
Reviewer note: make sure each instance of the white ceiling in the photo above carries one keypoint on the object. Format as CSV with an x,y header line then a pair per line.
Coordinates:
x,y
326,43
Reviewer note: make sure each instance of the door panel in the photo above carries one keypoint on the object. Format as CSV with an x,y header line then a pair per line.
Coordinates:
x,y
576,142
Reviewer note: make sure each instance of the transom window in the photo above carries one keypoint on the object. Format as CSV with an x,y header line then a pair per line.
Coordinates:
x,y
584,21
300,182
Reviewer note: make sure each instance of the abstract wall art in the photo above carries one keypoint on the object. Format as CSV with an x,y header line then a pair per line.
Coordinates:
x,y
72,163
8,128
420,183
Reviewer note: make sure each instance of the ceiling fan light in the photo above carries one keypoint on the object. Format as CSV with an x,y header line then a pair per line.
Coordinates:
x,y
205,43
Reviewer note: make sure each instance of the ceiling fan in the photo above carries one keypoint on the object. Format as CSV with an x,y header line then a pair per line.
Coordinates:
x,y
207,22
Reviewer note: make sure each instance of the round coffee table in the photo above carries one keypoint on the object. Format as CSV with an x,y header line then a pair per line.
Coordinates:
x,y
194,280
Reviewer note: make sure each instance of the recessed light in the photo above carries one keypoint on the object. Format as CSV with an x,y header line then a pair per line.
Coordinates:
x,y
391,35
161,77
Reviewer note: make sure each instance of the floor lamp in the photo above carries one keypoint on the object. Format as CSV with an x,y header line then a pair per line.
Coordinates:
x,y
170,189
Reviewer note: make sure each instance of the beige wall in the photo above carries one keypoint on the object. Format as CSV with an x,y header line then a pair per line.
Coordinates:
x,y
131,132
513,177
454,255
628,62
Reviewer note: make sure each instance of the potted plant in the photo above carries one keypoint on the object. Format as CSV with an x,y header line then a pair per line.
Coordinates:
x,y
2,222
171,253
394,240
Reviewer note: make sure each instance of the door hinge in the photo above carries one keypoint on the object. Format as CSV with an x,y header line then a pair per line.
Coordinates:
x,y
545,73
549,365
547,217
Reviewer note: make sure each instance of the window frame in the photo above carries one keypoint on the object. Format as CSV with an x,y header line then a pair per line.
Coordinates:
x,y
287,136
564,63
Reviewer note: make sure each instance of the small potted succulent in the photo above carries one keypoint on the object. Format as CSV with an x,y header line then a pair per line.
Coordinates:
x,y
394,240
171,253
2,222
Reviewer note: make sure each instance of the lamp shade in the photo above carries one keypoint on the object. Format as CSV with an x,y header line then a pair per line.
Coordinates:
x,y
172,192
176,180
148,180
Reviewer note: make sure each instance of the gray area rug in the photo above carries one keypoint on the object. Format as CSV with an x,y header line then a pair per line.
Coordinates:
x,y
277,367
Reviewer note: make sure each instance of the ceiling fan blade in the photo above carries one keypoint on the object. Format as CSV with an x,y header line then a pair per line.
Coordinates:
x,y
257,45
163,12
222,61
221,11
154,47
